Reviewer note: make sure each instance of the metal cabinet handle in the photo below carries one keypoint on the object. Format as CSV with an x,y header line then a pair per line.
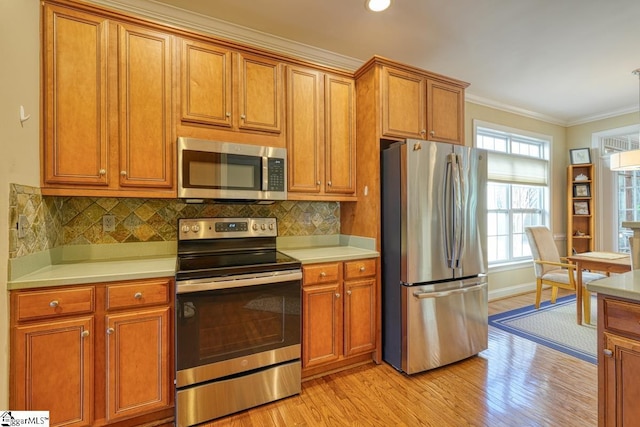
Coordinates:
x,y
84,334
102,172
110,331
53,304
138,295
362,268
337,295
607,352
323,274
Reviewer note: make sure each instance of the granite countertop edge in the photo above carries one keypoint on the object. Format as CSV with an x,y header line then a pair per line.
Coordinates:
x,y
87,264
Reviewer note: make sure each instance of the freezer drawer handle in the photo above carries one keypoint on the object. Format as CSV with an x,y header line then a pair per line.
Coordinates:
x,y
422,295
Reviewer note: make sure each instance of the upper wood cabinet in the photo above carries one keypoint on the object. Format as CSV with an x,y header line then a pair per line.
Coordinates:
x,y
230,90
106,107
417,106
321,139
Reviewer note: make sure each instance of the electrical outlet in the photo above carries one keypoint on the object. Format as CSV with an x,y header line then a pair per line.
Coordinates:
x,y
22,226
108,223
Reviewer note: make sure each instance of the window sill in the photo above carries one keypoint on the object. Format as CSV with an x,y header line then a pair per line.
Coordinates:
x,y
496,268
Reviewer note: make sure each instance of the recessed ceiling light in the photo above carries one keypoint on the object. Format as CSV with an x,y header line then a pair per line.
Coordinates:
x,y
377,5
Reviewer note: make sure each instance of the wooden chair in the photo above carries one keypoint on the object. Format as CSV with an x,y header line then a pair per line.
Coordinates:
x,y
552,270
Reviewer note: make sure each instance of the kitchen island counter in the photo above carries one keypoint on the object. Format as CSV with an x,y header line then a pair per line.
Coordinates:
x,y
625,285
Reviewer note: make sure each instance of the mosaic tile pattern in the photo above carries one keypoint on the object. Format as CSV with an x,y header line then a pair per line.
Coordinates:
x,y
56,221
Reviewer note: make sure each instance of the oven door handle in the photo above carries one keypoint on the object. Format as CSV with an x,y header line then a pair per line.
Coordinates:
x,y
239,283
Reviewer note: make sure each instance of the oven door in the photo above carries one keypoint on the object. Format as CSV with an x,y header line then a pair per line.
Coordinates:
x,y
225,328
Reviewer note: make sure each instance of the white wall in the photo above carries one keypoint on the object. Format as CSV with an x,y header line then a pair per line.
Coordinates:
x,y
19,145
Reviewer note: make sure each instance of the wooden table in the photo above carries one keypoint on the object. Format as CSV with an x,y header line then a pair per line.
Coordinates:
x,y
598,262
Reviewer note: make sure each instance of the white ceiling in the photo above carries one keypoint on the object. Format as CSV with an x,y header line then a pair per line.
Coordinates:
x,y
564,61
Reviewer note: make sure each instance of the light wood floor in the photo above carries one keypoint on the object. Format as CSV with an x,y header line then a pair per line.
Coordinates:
x,y
514,382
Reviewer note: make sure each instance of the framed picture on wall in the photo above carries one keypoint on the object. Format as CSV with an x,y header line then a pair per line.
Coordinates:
x,y
580,156
581,190
580,208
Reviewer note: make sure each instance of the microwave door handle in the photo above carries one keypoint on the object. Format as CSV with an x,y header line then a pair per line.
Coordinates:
x,y
265,173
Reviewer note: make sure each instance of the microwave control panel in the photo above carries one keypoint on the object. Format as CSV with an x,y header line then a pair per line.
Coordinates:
x,y
275,174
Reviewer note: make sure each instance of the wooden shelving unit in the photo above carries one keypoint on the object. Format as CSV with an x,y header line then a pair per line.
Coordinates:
x,y
581,208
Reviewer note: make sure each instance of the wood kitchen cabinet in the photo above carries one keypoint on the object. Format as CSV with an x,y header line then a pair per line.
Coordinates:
x,y
417,106
618,361
222,89
106,106
339,314
94,354
321,138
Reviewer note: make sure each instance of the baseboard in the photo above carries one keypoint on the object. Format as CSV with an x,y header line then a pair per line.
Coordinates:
x,y
510,291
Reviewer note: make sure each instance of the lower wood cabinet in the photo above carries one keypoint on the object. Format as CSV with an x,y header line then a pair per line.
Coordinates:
x,y
339,323
94,355
618,362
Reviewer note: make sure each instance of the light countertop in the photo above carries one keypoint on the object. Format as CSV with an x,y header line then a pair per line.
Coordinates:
x,y
625,285
83,264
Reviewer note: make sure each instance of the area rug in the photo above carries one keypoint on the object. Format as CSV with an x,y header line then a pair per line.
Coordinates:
x,y
554,326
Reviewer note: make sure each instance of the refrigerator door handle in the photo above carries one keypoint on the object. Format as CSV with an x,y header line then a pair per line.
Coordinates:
x,y
449,220
423,295
459,222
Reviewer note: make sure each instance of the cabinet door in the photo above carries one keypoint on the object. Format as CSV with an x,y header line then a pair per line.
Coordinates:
x,y
53,370
145,75
321,324
403,104
206,84
445,113
340,135
359,316
621,385
138,370
305,135
260,94
75,98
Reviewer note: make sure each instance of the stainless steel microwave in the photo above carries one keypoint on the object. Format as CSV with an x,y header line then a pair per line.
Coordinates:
x,y
230,171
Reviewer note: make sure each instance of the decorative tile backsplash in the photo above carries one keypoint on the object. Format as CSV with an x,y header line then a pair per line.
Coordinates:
x,y
56,221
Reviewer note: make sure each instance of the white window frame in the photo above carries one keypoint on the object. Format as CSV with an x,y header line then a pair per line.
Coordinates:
x,y
546,208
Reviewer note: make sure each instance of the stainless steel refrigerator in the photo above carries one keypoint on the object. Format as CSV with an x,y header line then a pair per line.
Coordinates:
x,y
434,290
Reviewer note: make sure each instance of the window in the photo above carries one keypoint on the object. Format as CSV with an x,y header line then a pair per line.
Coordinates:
x,y
517,191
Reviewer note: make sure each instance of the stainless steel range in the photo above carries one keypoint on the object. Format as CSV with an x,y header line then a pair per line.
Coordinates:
x,y
237,318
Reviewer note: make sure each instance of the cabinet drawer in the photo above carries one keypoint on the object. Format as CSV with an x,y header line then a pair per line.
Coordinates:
x,y
359,268
321,273
54,303
621,316
138,294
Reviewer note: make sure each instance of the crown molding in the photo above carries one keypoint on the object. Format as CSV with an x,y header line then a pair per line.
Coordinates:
x,y
514,110
167,14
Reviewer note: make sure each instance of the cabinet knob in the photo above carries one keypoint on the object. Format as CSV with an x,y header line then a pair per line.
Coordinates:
x,y
243,116
137,295
362,268
323,274
123,173
110,331
607,352
329,183
337,295
53,304
433,132
423,131
102,172
318,182
228,114
349,292
84,334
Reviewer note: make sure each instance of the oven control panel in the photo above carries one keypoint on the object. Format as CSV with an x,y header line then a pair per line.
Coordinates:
x,y
220,228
